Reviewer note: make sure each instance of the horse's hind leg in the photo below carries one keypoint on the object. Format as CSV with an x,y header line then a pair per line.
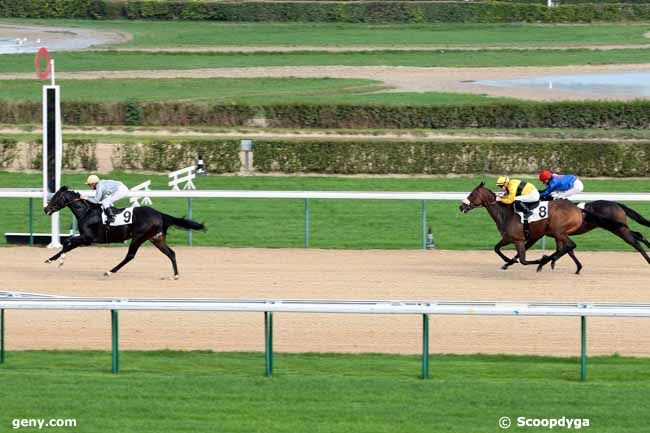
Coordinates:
x,y
133,249
564,245
160,243
575,260
633,238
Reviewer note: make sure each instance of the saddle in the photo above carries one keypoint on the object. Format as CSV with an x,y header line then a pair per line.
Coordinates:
x,y
534,211
123,216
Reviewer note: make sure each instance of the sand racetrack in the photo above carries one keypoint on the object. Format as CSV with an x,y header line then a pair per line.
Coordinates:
x,y
325,274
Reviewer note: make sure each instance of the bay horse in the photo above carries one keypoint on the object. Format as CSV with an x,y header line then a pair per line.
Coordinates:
x,y
564,219
613,211
147,225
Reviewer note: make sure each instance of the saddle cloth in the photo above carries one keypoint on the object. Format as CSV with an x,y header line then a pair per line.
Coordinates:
x,y
539,213
123,217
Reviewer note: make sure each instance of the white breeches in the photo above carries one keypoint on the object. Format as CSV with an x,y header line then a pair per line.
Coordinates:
x,y
529,198
120,193
578,187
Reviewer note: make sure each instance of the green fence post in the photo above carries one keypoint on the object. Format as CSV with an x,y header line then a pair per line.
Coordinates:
x,y
425,346
268,339
583,348
2,336
306,223
31,221
189,215
115,342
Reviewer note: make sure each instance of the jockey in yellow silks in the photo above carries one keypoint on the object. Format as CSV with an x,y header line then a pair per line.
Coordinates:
x,y
524,195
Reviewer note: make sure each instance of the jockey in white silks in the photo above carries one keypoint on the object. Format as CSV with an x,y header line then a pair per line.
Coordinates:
x,y
107,192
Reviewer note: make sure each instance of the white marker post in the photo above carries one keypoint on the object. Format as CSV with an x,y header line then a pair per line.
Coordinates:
x,y
52,140
144,186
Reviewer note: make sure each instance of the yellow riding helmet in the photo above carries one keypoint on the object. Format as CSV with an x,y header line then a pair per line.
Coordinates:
x,y
502,180
92,179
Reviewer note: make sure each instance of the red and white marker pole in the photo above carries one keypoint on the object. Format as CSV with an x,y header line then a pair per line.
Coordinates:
x,y
52,138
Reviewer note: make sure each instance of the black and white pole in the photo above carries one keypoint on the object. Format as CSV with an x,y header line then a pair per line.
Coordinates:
x,y
52,148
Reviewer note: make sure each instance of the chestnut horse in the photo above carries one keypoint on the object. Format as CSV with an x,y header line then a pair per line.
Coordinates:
x,y
564,219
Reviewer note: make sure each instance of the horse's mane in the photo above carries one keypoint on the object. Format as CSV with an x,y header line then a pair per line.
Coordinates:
x,y
64,188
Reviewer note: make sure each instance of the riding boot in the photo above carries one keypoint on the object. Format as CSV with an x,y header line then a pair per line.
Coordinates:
x,y
110,215
526,229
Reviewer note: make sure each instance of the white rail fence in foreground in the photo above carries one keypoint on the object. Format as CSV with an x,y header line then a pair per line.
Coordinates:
x,y
306,196
30,301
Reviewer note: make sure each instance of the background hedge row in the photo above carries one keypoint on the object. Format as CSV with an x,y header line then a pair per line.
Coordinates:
x,y
354,157
358,12
571,114
220,156
338,156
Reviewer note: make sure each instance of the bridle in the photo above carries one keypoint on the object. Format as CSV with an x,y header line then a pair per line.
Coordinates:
x,y
474,206
69,203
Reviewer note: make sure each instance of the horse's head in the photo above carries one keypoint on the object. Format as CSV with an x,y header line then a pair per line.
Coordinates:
x,y
60,199
480,196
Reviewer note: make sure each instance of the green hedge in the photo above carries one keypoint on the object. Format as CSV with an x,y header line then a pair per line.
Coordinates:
x,y
597,114
221,156
358,12
131,113
452,157
593,114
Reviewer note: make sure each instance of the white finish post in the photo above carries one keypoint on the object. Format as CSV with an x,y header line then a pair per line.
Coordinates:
x,y
57,137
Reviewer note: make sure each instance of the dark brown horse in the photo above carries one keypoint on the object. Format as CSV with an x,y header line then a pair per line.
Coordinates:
x,y
565,219
614,211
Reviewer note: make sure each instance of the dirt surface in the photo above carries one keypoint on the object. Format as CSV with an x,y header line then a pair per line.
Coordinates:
x,y
399,78
325,274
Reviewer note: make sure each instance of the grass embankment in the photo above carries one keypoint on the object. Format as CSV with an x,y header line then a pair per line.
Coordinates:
x,y
255,91
195,391
128,61
333,223
154,34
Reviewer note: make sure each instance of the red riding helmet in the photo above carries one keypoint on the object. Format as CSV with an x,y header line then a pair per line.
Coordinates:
x,y
545,175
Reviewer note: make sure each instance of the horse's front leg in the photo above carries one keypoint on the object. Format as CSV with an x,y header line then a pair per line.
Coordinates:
x,y
521,253
515,259
497,250
68,245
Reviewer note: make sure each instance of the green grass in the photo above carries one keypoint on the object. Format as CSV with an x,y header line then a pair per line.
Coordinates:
x,y
119,61
333,223
257,91
226,392
151,34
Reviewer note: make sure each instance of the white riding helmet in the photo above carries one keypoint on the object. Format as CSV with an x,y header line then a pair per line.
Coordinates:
x,y
92,179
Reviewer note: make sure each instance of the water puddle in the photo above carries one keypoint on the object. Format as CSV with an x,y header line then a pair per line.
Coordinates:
x,y
634,84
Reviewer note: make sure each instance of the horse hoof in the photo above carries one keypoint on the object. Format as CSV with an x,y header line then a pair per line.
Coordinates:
x,y
61,262
107,274
539,268
48,261
505,267
553,265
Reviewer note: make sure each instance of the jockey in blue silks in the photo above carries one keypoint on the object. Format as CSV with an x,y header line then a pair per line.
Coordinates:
x,y
559,185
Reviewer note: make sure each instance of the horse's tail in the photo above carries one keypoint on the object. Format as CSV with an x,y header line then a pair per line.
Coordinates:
x,y
602,222
634,215
181,222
